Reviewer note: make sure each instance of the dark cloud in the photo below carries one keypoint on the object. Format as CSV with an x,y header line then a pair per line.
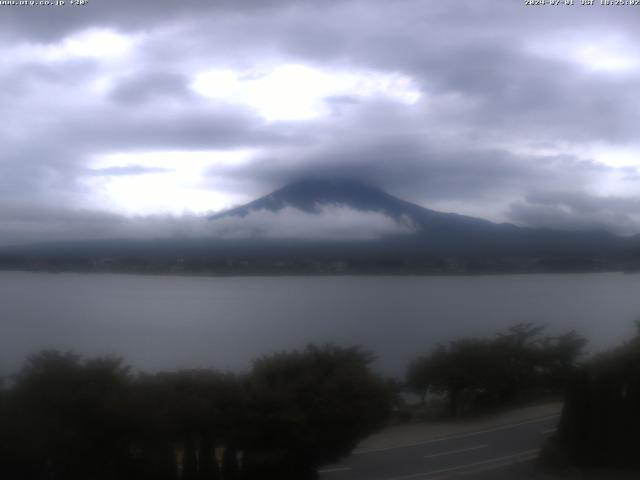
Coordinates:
x,y
34,223
51,23
148,130
140,88
23,79
577,210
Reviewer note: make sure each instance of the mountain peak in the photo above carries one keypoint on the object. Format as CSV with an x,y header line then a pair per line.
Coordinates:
x,y
329,183
308,193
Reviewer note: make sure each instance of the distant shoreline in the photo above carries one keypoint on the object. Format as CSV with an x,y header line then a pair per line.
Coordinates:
x,y
318,274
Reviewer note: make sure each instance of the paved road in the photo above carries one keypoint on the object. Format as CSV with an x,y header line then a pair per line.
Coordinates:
x,y
470,454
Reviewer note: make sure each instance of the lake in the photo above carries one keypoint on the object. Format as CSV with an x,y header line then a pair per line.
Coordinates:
x,y
168,322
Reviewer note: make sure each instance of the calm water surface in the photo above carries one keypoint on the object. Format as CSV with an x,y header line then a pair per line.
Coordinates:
x,y
169,322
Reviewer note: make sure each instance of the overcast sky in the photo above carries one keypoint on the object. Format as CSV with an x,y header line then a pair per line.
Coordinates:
x,y
120,108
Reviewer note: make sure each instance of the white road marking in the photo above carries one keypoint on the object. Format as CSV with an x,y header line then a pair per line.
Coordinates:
x,y
458,436
453,452
522,457
498,462
333,470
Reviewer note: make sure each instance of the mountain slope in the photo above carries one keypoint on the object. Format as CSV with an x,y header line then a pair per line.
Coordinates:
x,y
307,195
435,232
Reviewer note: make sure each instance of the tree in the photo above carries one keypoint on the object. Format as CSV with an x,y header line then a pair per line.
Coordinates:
x,y
311,407
420,377
601,417
71,417
191,410
477,373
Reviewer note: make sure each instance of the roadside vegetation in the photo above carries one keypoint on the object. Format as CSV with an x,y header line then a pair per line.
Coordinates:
x,y
601,416
475,375
67,418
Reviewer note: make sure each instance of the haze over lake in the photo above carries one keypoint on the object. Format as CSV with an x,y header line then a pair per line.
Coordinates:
x,y
169,322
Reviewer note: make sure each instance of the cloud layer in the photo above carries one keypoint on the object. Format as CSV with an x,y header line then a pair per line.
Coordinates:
x,y
129,109
328,222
